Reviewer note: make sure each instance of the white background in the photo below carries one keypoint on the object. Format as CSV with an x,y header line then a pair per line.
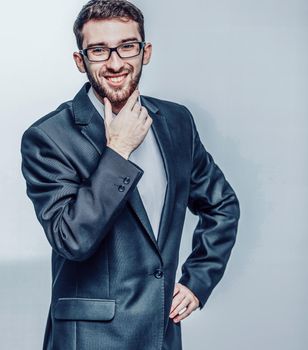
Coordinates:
x,y
241,68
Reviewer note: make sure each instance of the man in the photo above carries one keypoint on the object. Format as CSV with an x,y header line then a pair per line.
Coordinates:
x,y
110,175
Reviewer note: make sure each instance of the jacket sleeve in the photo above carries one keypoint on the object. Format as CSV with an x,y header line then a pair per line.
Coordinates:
x,y
214,201
76,215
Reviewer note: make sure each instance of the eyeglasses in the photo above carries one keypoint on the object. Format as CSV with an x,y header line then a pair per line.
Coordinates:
x,y
103,53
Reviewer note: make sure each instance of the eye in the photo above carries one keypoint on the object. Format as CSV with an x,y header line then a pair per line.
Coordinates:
x,y
129,46
99,50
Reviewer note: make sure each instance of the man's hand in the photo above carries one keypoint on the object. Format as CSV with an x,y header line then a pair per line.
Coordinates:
x,y
128,129
183,299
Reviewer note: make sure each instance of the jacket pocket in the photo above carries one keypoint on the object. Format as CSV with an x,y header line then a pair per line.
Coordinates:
x,y
83,309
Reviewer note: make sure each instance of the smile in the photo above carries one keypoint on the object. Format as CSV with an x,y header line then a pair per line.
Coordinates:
x,y
116,80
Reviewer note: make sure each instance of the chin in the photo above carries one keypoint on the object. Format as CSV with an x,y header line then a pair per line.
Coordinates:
x,y
119,95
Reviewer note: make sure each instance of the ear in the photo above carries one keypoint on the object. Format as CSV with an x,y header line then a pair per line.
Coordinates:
x,y
79,62
147,53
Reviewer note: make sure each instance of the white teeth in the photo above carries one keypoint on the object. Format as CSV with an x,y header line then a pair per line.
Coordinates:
x,y
117,79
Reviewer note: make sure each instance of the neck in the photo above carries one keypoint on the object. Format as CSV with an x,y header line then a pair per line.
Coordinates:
x,y
116,107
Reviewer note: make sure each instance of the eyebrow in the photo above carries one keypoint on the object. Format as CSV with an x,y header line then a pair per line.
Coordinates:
x,y
102,43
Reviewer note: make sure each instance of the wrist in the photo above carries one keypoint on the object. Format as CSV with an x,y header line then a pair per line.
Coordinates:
x,y
122,152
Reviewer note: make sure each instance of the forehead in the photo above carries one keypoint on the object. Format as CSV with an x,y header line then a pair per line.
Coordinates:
x,y
109,31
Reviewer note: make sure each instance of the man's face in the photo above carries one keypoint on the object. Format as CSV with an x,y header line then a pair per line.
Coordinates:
x,y
115,78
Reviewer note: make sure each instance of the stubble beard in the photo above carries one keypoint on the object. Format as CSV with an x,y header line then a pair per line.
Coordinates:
x,y
116,96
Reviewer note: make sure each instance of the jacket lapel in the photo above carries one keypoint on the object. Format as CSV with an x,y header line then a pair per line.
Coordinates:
x,y
93,129
90,122
163,137
136,204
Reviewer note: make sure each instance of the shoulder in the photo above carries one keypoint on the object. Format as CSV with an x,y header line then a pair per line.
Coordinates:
x,y
51,131
53,116
173,111
55,124
164,104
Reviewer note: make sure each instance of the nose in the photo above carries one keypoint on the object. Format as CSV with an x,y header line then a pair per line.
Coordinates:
x,y
115,63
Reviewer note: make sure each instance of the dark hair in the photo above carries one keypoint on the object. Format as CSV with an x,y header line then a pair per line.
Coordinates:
x,y
104,9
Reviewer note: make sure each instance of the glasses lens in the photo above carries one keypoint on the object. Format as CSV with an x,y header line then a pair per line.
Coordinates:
x,y
102,53
98,53
129,50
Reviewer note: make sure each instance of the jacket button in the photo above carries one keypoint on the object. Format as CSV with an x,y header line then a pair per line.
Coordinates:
x,y
158,273
126,180
121,188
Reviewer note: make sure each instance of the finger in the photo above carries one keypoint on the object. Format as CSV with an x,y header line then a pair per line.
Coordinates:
x,y
137,108
175,304
177,299
108,111
176,287
184,314
132,100
148,122
181,312
143,116
183,304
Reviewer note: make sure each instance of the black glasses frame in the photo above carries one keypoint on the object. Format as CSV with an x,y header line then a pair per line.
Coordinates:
x,y
84,52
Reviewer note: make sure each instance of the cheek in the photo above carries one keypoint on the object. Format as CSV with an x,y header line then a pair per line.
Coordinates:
x,y
96,70
98,74
136,68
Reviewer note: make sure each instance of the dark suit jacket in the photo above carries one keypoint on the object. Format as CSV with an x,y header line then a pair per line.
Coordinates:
x,y
112,281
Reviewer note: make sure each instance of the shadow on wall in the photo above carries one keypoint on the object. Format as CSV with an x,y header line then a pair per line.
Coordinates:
x,y
24,304
243,173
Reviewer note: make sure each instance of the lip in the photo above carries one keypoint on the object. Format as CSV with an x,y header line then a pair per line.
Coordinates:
x,y
116,83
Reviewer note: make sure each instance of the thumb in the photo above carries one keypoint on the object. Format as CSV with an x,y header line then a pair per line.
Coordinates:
x,y
108,111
